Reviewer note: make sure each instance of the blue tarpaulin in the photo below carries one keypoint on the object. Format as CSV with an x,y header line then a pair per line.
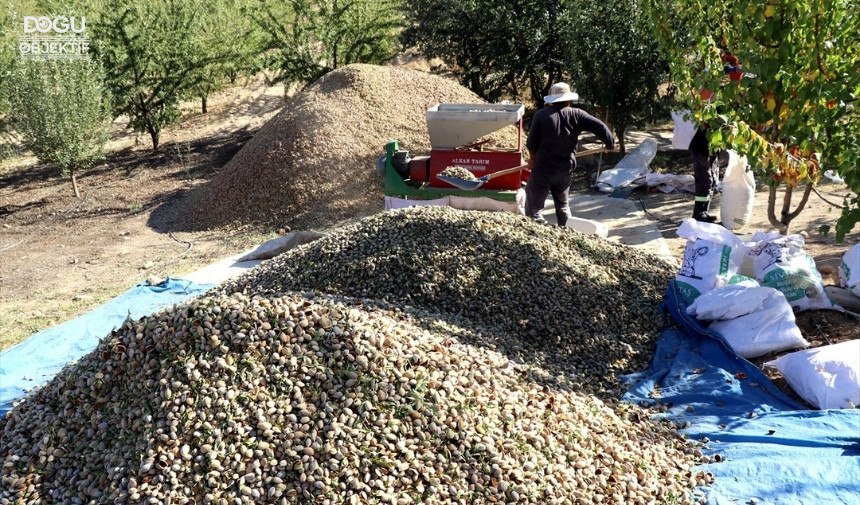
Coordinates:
x,y
38,359
773,450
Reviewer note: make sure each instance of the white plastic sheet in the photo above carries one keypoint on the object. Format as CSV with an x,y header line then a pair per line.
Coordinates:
x,y
481,203
393,202
671,183
587,226
631,170
276,246
832,176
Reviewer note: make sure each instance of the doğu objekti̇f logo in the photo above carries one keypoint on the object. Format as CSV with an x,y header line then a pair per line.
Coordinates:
x,y
60,38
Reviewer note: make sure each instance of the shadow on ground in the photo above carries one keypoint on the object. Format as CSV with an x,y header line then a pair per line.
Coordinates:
x,y
202,158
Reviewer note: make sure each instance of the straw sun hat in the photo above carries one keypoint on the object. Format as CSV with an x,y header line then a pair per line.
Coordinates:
x,y
560,92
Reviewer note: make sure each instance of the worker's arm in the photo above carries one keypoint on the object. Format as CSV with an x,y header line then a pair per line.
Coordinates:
x,y
532,159
598,128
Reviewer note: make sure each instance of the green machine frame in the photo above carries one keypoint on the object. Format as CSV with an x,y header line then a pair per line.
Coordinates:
x,y
395,185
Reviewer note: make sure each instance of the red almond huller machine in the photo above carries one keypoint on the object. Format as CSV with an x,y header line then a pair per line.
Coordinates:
x,y
455,130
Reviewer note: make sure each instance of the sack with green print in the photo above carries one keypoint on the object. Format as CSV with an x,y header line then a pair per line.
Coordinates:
x,y
712,258
780,262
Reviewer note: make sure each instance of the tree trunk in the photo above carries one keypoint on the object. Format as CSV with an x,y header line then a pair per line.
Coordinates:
x,y
622,145
75,183
203,103
786,215
153,134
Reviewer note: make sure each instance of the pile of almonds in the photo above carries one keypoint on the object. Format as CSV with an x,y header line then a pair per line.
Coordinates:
x,y
291,391
424,355
458,172
578,305
313,166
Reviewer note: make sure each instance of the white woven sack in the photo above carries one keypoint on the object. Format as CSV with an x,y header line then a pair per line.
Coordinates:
x,y
771,327
827,377
849,270
729,302
738,193
780,262
712,257
683,131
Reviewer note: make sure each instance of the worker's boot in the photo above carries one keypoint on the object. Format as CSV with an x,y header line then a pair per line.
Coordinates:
x,y
700,212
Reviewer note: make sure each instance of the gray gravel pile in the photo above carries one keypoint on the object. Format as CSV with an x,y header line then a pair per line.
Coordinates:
x,y
313,166
231,400
578,305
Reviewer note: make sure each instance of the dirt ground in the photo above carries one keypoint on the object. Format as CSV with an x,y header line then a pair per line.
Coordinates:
x,y
61,256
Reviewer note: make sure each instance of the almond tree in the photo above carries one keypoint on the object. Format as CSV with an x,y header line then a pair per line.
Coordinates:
x,y
59,110
515,49
149,57
226,37
9,21
306,39
619,69
794,113
518,49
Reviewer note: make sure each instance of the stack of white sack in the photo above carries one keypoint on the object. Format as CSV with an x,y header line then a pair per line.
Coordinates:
x,y
715,257
753,320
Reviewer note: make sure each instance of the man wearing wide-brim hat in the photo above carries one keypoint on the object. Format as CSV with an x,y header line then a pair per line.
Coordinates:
x,y
552,141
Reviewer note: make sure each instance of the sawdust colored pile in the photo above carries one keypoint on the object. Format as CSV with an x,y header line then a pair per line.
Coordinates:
x,y
313,166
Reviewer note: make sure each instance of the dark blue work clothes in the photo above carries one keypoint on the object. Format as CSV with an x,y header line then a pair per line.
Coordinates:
x,y
552,139
705,167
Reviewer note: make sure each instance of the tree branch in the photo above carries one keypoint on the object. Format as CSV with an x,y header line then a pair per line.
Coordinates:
x,y
803,200
771,206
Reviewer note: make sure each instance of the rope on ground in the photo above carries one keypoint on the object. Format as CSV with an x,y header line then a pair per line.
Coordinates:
x,y
655,218
14,245
650,215
190,244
